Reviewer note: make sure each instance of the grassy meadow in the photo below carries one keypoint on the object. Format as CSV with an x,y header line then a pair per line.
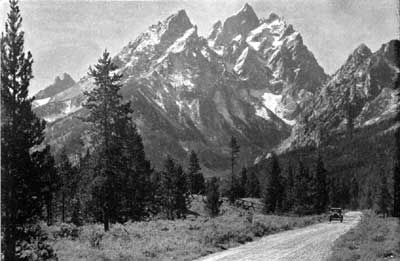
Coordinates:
x,y
169,240
374,238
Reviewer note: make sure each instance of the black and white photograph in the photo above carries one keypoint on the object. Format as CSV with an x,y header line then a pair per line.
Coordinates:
x,y
207,130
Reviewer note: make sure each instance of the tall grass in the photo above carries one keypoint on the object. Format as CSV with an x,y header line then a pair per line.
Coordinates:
x,y
374,238
171,240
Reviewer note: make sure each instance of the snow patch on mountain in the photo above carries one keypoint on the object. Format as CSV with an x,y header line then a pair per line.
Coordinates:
x,y
262,112
178,80
240,61
41,102
181,43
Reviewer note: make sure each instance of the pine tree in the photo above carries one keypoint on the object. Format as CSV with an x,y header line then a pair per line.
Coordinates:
x,y
137,189
273,190
235,149
21,131
108,117
383,198
76,217
320,187
85,173
196,178
167,188
66,176
243,182
396,167
173,191
44,164
234,186
252,186
213,201
234,189
182,200
396,176
354,193
303,203
289,189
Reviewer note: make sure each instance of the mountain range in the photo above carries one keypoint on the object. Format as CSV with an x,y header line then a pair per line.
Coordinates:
x,y
252,78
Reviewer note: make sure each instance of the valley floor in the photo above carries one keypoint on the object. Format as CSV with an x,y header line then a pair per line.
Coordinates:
x,y
171,240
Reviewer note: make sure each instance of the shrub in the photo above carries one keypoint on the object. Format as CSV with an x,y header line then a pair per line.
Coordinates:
x,y
68,231
35,246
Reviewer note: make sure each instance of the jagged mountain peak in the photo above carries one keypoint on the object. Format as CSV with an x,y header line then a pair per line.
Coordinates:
x,y
181,43
247,9
241,23
178,19
272,17
61,83
391,50
362,50
64,77
137,56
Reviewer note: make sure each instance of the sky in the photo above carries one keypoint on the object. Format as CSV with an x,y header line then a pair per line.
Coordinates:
x,y
69,36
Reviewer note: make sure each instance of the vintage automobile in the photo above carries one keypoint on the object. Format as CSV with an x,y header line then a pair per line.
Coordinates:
x,y
336,214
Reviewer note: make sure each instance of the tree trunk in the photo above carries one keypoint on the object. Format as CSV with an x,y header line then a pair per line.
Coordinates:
x,y
106,220
49,211
10,241
9,224
63,207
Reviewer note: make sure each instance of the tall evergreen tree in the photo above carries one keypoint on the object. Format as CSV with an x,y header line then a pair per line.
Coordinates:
x,y
44,164
396,165
196,178
252,186
303,203
273,189
243,182
289,190
354,193
212,201
383,198
66,176
167,188
173,190
107,115
235,183
182,193
235,149
137,188
21,132
320,186
396,176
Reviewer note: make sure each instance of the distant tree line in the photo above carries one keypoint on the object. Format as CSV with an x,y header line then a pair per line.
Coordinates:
x,y
357,173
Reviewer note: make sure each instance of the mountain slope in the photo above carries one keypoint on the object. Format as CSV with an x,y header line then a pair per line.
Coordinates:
x,y
250,78
361,93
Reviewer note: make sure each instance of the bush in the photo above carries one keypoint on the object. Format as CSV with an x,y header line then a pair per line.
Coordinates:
x,y
66,231
35,247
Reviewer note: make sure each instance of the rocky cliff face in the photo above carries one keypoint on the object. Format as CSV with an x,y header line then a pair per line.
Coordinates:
x,y
252,78
360,94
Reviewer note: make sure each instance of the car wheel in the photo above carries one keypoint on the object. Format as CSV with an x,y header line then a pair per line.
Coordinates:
x,y
341,220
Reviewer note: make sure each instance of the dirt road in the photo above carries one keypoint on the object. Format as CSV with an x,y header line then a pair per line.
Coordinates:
x,y
308,243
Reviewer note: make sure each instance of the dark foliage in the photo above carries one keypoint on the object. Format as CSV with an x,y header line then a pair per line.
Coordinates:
x,y
173,192
252,187
213,201
273,187
234,190
21,134
196,178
